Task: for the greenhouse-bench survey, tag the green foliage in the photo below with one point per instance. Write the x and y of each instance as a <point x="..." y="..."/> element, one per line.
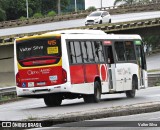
<point x="23" y="18"/>
<point x="37" y="15"/>
<point x="153" y="40"/>
<point x="51" y="14"/>
<point x="14" y="9"/>
<point x="2" y="15"/>
<point x="91" y="8"/>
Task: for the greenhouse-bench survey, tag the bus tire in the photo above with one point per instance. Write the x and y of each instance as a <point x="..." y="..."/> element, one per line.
<point x="132" y="93"/>
<point x="96" y="97"/>
<point x="52" y="100"/>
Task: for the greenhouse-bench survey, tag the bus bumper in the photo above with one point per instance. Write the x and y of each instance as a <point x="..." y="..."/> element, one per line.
<point x="26" y="92"/>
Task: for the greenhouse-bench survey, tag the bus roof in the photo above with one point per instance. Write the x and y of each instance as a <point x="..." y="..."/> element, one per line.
<point x="99" y="34"/>
<point x="79" y="31"/>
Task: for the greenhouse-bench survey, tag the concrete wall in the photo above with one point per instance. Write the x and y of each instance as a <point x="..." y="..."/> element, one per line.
<point x="141" y="31"/>
<point x="6" y="58"/>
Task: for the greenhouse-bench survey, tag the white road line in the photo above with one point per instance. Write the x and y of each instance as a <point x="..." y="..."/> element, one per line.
<point x="155" y="118"/>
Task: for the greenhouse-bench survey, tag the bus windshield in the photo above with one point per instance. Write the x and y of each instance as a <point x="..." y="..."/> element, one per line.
<point x="37" y="52"/>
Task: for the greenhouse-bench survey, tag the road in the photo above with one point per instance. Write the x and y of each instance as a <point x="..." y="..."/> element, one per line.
<point x="153" y="62"/>
<point x="151" y="121"/>
<point x="76" y="23"/>
<point x="35" y="108"/>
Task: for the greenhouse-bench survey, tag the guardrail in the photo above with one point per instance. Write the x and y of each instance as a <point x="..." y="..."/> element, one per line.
<point x="81" y="14"/>
<point x="154" y="79"/>
<point x="11" y="91"/>
<point x="7" y="92"/>
<point x="154" y="75"/>
<point x="5" y="40"/>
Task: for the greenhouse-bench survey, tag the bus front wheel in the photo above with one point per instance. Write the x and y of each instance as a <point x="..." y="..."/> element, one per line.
<point x="132" y="93"/>
<point x="52" y="100"/>
<point x="94" y="98"/>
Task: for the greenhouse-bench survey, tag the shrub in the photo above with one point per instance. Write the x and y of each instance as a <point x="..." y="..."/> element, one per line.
<point x="22" y="18"/>
<point x="37" y="15"/>
<point x="91" y="8"/>
<point x="51" y="13"/>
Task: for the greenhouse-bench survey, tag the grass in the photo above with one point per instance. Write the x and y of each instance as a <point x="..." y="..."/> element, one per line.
<point x="31" y="118"/>
<point x="9" y="98"/>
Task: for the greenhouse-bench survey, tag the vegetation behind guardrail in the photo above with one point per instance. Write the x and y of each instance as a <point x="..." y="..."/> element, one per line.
<point x="81" y="14"/>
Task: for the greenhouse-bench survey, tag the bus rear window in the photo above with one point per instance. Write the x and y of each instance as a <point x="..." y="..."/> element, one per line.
<point x="37" y="52"/>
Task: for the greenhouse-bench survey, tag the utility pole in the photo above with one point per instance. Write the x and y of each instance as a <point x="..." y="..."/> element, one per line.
<point x="75" y="1"/>
<point x="101" y="4"/>
<point x="27" y="8"/>
<point x="59" y="6"/>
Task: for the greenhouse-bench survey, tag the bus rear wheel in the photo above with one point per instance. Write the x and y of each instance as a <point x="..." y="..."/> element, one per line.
<point x="132" y="93"/>
<point x="52" y="100"/>
<point x="96" y="97"/>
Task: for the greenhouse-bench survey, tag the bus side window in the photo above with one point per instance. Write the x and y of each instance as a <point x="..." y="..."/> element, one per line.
<point x="84" y="52"/>
<point x="75" y="52"/>
<point x="87" y="52"/>
<point x="130" y="53"/>
<point x="120" y="51"/>
<point x="90" y="52"/>
<point x="78" y="51"/>
<point x="98" y="51"/>
<point x="101" y="52"/>
<point x="71" y="52"/>
<point x="95" y="51"/>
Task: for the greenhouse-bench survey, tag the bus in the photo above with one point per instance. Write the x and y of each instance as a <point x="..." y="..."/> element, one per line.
<point x="71" y="64"/>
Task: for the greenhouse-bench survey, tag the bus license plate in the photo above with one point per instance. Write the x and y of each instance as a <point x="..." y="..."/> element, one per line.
<point x="41" y="83"/>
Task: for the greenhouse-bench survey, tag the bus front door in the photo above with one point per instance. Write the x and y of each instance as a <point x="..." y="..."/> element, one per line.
<point x="142" y="66"/>
<point x="111" y="67"/>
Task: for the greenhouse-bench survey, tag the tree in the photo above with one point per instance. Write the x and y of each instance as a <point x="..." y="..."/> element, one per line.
<point x="15" y="9"/>
<point x="2" y="15"/>
<point x="59" y="6"/>
<point x="3" y="6"/>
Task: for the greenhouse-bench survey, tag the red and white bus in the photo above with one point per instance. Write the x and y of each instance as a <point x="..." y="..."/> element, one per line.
<point x="79" y="64"/>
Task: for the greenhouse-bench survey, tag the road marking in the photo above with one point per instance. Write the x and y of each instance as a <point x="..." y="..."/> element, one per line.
<point x="155" y="118"/>
<point x="157" y="95"/>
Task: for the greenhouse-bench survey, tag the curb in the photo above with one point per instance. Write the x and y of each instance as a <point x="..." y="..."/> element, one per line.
<point x="101" y="113"/>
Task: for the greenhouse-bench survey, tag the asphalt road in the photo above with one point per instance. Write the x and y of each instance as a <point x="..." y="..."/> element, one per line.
<point x="153" y="62"/>
<point x="76" y="23"/>
<point x="35" y="108"/>
<point x="146" y="121"/>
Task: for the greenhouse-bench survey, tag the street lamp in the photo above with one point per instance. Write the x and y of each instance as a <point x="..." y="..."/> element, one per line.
<point x="27" y="8"/>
